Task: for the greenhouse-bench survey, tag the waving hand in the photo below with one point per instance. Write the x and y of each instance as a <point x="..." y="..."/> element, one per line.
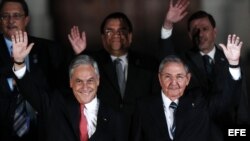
<point x="233" y="49"/>
<point x="20" y="46"/>
<point x="77" y="42"/>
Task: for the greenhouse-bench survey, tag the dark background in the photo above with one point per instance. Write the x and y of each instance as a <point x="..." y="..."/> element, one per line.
<point x="53" y="19"/>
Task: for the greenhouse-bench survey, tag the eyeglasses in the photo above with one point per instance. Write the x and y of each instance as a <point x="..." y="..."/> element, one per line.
<point x="110" y="32"/>
<point x="170" y="78"/>
<point x="14" y="16"/>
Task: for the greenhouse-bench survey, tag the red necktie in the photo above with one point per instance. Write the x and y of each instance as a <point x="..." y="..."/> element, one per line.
<point x="83" y="126"/>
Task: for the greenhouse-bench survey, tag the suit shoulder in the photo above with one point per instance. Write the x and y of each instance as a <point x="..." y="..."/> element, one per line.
<point x="142" y="60"/>
<point x="107" y="113"/>
<point x="38" y="40"/>
<point x="148" y="101"/>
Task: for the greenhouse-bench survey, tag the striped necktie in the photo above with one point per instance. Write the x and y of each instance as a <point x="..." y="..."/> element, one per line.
<point x="21" y="118"/>
<point x="173" y="106"/>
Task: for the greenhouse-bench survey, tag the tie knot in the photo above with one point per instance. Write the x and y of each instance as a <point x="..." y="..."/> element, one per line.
<point x="173" y="105"/>
<point x="82" y="108"/>
<point x="119" y="64"/>
<point x="118" y="60"/>
<point x="207" y="58"/>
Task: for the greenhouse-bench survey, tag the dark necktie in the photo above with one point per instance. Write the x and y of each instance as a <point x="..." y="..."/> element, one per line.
<point x="83" y="125"/>
<point x="173" y="106"/>
<point x="208" y="64"/>
<point x="21" y="118"/>
<point x="120" y="75"/>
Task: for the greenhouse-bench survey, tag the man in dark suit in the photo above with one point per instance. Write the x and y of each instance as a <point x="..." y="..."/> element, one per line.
<point x="45" y="57"/>
<point x="202" y="31"/>
<point x="194" y="113"/>
<point x="64" y="113"/>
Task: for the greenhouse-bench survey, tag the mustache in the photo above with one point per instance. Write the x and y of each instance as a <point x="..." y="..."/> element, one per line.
<point x="11" y="26"/>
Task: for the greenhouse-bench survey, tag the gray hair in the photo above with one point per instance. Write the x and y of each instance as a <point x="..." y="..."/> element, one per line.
<point x="83" y="60"/>
<point x="172" y="59"/>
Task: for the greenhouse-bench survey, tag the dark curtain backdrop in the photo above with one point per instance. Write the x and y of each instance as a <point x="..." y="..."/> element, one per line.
<point x="146" y="15"/>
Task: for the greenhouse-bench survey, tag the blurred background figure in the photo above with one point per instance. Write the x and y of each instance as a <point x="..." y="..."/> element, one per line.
<point x="45" y="58"/>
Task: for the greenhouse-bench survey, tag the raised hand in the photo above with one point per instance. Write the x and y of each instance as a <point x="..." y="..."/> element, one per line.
<point x="20" y="46"/>
<point x="233" y="49"/>
<point x="77" y="42"/>
<point x="175" y="13"/>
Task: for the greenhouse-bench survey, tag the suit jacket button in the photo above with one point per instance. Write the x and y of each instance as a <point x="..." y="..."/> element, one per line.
<point x="121" y="105"/>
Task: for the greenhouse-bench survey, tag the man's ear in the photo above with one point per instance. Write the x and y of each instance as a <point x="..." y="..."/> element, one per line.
<point x="215" y="32"/>
<point x="70" y="84"/>
<point x="103" y="40"/>
<point x="188" y="78"/>
<point x="27" y="20"/>
<point x="130" y="37"/>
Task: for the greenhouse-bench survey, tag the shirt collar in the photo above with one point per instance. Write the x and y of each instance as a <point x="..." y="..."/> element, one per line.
<point x="210" y="54"/>
<point x="92" y="105"/>
<point x="123" y="57"/>
<point x="167" y="101"/>
<point x="8" y="43"/>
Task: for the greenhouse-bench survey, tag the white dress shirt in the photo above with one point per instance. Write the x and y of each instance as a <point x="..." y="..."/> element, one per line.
<point x="168" y="112"/>
<point x="91" y="111"/>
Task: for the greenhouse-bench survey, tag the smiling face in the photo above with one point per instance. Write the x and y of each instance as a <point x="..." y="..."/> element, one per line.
<point x="84" y="82"/>
<point x="116" y="38"/>
<point x="13" y="18"/>
<point x="173" y="79"/>
<point x="207" y="33"/>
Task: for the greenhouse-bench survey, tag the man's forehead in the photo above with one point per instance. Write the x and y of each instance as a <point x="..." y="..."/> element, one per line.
<point x="116" y="21"/>
<point x="177" y="67"/>
<point x="200" y="22"/>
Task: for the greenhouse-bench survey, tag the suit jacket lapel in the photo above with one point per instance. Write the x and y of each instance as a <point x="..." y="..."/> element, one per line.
<point x="108" y="69"/>
<point x="72" y="113"/>
<point x="159" y="115"/>
<point x="102" y="120"/>
<point x="196" y="58"/>
<point x="132" y="72"/>
<point x="130" y="84"/>
<point x="185" y="103"/>
<point x="5" y="56"/>
<point x="219" y="57"/>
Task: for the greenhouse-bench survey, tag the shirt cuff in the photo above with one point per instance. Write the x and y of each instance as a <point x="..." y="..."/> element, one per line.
<point x="19" y="73"/>
<point x="235" y="73"/>
<point x="165" y="33"/>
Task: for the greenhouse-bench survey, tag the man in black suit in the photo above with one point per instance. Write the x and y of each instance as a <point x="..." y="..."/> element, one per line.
<point x="194" y="117"/>
<point x="45" y="57"/>
<point x="202" y="31"/>
<point x="64" y="113"/>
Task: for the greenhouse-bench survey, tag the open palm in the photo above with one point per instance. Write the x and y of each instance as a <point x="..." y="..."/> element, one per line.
<point x="233" y="49"/>
<point x="20" y="46"/>
<point x="178" y="11"/>
<point x="77" y="42"/>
